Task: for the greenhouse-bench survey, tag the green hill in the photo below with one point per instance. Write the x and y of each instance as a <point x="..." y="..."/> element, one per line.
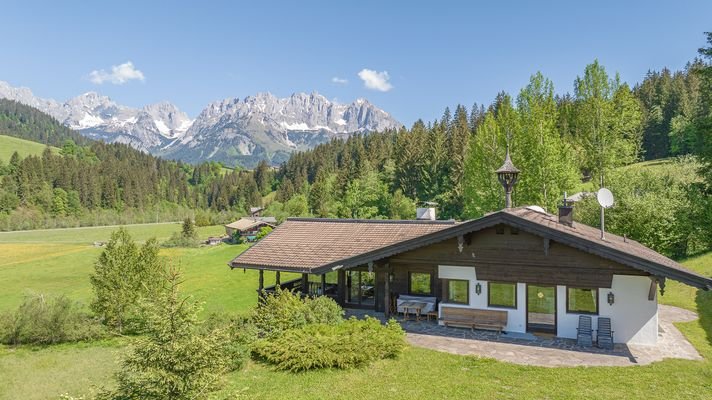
<point x="9" y="145"/>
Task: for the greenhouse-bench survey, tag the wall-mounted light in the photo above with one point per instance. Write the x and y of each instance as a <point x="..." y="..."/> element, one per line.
<point x="611" y="298"/>
<point x="478" y="288"/>
<point x="390" y="277"/>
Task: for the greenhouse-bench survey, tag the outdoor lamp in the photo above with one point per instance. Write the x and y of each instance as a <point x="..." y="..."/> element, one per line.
<point x="611" y="298"/>
<point x="478" y="288"/>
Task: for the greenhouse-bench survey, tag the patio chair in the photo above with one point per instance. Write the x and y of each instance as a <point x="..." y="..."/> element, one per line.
<point x="605" y="334"/>
<point x="585" y="331"/>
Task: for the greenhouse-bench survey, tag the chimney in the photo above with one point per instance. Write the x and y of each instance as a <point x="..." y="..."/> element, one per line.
<point x="566" y="212"/>
<point x="426" y="213"/>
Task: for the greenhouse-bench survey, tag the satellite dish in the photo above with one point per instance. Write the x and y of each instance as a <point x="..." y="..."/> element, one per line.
<point x="605" y="198"/>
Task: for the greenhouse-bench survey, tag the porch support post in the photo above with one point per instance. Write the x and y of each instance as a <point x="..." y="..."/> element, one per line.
<point x="305" y="283"/>
<point x="387" y="297"/>
<point x="323" y="284"/>
<point x="277" y="280"/>
<point x="262" y="280"/>
<point x="341" y="287"/>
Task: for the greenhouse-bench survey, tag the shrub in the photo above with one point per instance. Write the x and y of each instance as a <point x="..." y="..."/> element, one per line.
<point x="350" y="344"/>
<point x="48" y="320"/>
<point x="241" y="333"/>
<point x="178" y="240"/>
<point x="283" y="310"/>
<point x="264" y="231"/>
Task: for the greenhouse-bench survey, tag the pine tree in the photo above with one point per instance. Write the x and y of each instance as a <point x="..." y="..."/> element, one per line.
<point x="173" y="361"/>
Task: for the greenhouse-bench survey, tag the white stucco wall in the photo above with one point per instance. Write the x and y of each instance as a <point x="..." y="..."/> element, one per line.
<point x="516" y="318"/>
<point x="634" y="318"/>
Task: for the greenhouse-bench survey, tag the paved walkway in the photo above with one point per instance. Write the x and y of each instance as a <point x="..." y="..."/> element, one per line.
<point x="551" y="352"/>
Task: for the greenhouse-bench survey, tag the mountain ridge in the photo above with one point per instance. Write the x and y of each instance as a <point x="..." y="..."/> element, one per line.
<point x="235" y="131"/>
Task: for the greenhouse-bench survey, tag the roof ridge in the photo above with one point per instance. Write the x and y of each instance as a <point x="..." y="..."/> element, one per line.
<point x="375" y="221"/>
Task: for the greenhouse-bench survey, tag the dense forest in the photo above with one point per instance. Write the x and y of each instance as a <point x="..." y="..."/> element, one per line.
<point x="562" y="143"/>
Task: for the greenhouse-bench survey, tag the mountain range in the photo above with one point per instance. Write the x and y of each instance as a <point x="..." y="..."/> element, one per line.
<point x="233" y="131"/>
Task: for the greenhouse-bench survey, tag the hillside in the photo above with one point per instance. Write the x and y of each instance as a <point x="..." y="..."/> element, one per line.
<point x="25" y="122"/>
<point x="24" y="148"/>
<point x="95" y="183"/>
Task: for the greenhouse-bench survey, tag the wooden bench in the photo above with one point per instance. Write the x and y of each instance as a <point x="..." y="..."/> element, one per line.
<point x="494" y="320"/>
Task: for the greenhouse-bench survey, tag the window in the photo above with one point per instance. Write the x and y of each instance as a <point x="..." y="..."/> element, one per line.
<point x="420" y="283"/>
<point x="581" y="301"/>
<point x="514" y="231"/>
<point x="502" y="294"/>
<point x="456" y="291"/>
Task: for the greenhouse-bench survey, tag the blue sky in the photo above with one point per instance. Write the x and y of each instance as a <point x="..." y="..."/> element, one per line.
<point x="436" y="54"/>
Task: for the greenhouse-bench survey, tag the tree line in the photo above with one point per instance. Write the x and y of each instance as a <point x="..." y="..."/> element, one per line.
<point x="559" y="141"/>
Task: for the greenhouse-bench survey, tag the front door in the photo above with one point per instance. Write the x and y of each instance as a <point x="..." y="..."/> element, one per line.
<point x="541" y="308"/>
<point x="361" y="288"/>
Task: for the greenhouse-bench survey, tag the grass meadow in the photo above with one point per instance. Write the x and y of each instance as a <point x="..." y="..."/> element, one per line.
<point x="24" y="148"/>
<point x="60" y="261"/>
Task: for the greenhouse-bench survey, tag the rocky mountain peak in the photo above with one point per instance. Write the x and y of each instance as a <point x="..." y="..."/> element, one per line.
<point x="233" y="130"/>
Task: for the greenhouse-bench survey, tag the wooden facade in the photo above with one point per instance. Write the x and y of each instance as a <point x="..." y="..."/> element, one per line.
<point x="501" y="254"/>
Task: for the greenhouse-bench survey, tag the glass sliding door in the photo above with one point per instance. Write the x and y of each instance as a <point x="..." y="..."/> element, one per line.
<point x="361" y="288"/>
<point x="541" y="309"/>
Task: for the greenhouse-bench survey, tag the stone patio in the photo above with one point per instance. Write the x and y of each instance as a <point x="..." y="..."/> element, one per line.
<point x="529" y="349"/>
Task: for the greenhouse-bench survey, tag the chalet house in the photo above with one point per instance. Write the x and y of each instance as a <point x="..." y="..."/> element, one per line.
<point x="537" y="270"/>
<point x="249" y="227"/>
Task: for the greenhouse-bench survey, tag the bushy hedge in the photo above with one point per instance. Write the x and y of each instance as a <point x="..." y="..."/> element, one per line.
<point x="48" y="320"/>
<point x="349" y="344"/>
<point x="283" y="310"/>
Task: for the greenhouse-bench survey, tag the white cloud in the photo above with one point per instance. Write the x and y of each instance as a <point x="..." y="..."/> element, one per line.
<point x="375" y="80"/>
<point x="119" y="74"/>
<point x="339" y="81"/>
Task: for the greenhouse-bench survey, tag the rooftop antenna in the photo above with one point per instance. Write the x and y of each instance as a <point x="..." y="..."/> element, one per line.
<point x="605" y="200"/>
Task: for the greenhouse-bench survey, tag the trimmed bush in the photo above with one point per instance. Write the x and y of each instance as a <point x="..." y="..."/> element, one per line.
<point x="284" y="310"/>
<point x="46" y="320"/>
<point x="351" y="344"/>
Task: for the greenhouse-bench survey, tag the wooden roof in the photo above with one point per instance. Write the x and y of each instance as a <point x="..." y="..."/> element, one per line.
<point x="245" y="223"/>
<point x="307" y="244"/>
<point x="320" y="245"/>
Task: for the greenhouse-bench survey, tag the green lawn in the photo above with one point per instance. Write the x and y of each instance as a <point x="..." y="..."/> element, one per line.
<point x="9" y="145"/>
<point x="59" y="261"/>
<point x="63" y="266"/>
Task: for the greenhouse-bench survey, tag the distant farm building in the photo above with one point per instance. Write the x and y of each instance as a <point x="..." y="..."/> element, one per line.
<point x="249" y="227"/>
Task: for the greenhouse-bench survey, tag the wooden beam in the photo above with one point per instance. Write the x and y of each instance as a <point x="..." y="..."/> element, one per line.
<point x="277" y="279"/>
<point x="547" y="244"/>
<point x="653" y="288"/>
<point x="305" y="283"/>
<point x="387" y="296"/>
<point x="262" y="280"/>
<point x="323" y="284"/>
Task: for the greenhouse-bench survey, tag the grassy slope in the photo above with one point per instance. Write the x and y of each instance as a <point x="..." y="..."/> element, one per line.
<point x="64" y="267"/>
<point x="9" y="145"/>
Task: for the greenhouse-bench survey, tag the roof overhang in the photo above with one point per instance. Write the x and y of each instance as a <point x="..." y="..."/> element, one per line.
<point x="501" y="217"/>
